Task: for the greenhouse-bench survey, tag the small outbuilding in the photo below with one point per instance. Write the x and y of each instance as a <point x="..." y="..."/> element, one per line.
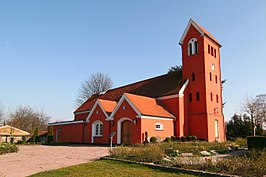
<point x="9" y="134"/>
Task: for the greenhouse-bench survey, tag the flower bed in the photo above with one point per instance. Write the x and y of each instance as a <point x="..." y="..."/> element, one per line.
<point x="172" y="154"/>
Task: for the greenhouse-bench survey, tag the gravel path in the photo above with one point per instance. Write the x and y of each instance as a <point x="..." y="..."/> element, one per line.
<point x="32" y="159"/>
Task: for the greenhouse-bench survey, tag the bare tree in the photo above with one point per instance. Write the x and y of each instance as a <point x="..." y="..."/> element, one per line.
<point x="95" y="84"/>
<point x="26" y="118"/>
<point x="261" y="108"/>
<point x="256" y="109"/>
<point x="2" y="110"/>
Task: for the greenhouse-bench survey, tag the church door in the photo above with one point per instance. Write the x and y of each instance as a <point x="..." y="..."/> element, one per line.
<point x="126" y="127"/>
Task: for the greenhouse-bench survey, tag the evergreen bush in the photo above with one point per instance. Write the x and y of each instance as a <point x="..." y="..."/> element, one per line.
<point x="153" y="139"/>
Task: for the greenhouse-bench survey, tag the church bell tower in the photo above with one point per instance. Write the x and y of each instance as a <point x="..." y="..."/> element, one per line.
<point x="203" y="96"/>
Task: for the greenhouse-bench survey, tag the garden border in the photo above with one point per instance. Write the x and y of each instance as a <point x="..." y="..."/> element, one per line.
<point x="173" y="169"/>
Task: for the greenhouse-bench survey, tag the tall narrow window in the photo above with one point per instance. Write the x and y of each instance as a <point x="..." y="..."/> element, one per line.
<point x="209" y="49"/>
<point x="196" y="46"/>
<point x="98" y="128"/>
<point x="216" y="129"/>
<point x="211" y="97"/>
<point x="190" y="97"/>
<point x="217" y="98"/>
<point x="216" y="79"/>
<point x="210" y="76"/>
<point x="192" y="46"/>
<point x="197" y="96"/>
<point x="214" y="53"/>
<point x="193" y="77"/>
<point x="212" y="66"/>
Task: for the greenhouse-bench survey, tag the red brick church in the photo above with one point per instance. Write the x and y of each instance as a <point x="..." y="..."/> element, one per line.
<point x="183" y="103"/>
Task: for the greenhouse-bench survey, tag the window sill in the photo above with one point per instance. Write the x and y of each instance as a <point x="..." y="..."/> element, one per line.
<point x="97" y="136"/>
<point x="158" y="129"/>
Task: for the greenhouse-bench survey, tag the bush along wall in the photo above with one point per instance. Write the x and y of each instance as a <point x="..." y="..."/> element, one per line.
<point x="256" y="142"/>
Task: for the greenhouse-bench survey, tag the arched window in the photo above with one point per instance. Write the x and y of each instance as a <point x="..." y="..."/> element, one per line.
<point x="98" y="128"/>
<point x="192" y="46"/>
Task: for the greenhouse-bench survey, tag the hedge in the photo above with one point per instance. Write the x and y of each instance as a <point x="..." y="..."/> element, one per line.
<point x="256" y="142"/>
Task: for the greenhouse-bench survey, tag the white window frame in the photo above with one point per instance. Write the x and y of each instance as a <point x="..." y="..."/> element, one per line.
<point x="97" y="129"/>
<point x="160" y="126"/>
<point x="194" y="49"/>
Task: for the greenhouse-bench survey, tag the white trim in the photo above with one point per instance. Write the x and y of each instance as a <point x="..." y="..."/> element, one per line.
<point x="93" y="109"/>
<point x="82" y="112"/>
<point x="65" y="123"/>
<point x="153" y="117"/>
<point x="124" y="97"/>
<point x="168" y="97"/>
<point x="93" y="129"/>
<point x="119" y="123"/>
<point x="181" y="91"/>
<point x="191" y="22"/>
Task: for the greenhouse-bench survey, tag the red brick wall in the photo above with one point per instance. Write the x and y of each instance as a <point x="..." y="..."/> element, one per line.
<point x="73" y="133"/>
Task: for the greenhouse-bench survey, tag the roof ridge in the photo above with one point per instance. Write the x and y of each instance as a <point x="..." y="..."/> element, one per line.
<point x="145" y="80"/>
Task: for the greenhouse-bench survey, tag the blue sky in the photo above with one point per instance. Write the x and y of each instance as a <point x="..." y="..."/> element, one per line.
<point x="47" y="48"/>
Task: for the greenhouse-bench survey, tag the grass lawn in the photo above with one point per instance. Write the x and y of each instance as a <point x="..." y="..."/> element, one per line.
<point x="109" y="168"/>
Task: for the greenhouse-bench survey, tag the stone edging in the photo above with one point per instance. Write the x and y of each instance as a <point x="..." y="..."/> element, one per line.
<point x="174" y="169"/>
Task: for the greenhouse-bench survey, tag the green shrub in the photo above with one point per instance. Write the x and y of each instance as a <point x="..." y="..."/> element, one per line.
<point x="194" y="138"/>
<point x="21" y="142"/>
<point x="173" y="138"/>
<point x="153" y="139"/>
<point x="242" y="142"/>
<point x="7" y="148"/>
<point x="183" y="139"/>
<point x="256" y="142"/>
<point x="50" y="134"/>
<point x="189" y="138"/>
<point x="167" y="139"/>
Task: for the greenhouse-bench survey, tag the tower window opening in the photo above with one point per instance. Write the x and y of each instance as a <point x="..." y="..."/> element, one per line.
<point x="196" y="46"/>
<point x="197" y="96"/>
<point x="210" y="76"/>
<point x="217" y="98"/>
<point x="193" y="77"/>
<point x="190" y="97"/>
<point x="192" y="46"/>
<point x="214" y="53"/>
<point x="216" y="79"/>
<point x="212" y="66"/>
<point x="209" y="49"/>
<point x="211" y="97"/>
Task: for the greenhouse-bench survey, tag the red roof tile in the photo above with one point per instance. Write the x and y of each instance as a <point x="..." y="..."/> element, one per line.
<point x="107" y="105"/>
<point x="207" y="33"/>
<point x="163" y="85"/>
<point x="149" y="106"/>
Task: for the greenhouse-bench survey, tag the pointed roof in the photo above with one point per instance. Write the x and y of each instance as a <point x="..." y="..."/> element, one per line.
<point x="9" y="130"/>
<point x="149" y="106"/>
<point x="107" y="105"/>
<point x="155" y="87"/>
<point x="200" y="29"/>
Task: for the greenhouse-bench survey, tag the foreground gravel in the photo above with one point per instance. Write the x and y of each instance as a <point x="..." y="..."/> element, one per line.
<point x="31" y="159"/>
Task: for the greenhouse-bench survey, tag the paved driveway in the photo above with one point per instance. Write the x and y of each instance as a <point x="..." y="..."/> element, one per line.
<point x="32" y="159"/>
